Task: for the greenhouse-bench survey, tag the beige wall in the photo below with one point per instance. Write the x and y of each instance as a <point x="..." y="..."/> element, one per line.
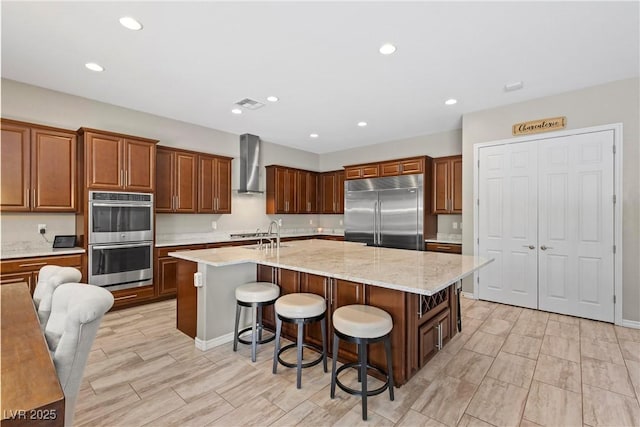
<point x="47" y="107"/>
<point x="616" y="102"/>
<point x="434" y="145"/>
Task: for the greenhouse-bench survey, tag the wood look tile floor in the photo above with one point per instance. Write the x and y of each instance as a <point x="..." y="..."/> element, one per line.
<point x="509" y="367"/>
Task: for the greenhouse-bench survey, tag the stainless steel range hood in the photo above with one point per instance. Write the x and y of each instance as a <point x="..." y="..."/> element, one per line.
<point x="249" y="164"/>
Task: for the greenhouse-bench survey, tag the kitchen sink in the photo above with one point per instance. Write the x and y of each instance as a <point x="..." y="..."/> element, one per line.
<point x="264" y="246"/>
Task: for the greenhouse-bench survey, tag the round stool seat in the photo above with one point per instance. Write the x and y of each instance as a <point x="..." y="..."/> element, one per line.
<point x="362" y="321"/>
<point x="300" y="305"/>
<point x="257" y="292"/>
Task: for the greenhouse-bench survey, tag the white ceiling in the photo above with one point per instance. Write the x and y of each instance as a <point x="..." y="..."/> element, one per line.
<point x="193" y="61"/>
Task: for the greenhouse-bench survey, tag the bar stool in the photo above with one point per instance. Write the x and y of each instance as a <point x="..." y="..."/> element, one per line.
<point x="255" y="295"/>
<point x="362" y="325"/>
<point x="300" y="308"/>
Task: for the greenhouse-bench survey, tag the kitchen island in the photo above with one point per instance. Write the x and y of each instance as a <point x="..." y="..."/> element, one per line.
<point x="417" y="288"/>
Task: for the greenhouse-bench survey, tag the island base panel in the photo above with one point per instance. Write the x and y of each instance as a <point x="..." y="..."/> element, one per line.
<point x="217" y="302"/>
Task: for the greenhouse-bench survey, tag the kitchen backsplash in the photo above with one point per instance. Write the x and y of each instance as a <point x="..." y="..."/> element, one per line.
<point x="23" y="228"/>
<point x="450" y="224"/>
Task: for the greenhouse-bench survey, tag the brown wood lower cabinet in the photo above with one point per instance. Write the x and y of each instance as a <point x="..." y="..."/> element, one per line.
<point x="166" y="272"/>
<point x="414" y="338"/>
<point x="433" y="335"/>
<point x="27" y="269"/>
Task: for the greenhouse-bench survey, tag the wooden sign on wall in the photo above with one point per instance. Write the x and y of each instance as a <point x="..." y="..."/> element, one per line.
<point x="536" y="126"/>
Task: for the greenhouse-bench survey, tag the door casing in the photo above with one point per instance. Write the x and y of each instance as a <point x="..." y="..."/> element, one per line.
<point x="617" y="182"/>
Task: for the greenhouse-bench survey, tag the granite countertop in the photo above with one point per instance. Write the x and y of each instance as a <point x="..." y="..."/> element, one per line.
<point x="163" y="240"/>
<point x="36" y="251"/>
<point x="455" y="239"/>
<point x="411" y="271"/>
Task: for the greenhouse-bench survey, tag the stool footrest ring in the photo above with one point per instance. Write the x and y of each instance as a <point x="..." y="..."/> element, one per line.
<point x="350" y="390"/>
<point x="262" y="341"/>
<point x="295" y="365"/>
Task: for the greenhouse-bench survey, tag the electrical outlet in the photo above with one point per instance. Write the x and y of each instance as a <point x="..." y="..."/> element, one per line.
<point x="198" y="280"/>
<point x="42" y="228"/>
<point x="455" y="225"/>
<point x="340" y="222"/>
<point x="310" y="222"/>
<point x="214" y="225"/>
<point x="280" y="222"/>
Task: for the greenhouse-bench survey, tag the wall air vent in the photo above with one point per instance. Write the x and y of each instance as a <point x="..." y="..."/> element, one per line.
<point x="250" y="104"/>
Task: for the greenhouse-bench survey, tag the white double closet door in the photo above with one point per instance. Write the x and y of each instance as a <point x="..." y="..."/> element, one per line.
<point x="546" y="217"/>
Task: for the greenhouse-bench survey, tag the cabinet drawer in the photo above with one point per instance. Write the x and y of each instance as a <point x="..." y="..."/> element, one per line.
<point x="451" y="248"/>
<point x="35" y="264"/>
<point x="130" y="296"/>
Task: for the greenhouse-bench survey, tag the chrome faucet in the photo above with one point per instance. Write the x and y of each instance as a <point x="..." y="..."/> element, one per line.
<point x="270" y="232"/>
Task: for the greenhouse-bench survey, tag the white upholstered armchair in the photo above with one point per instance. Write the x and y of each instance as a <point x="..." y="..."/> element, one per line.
<point x="49" y="278"/>
<point x="76" y="312"/>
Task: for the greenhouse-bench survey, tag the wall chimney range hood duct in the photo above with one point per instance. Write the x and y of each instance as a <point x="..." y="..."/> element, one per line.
<point x="249" y="164"/>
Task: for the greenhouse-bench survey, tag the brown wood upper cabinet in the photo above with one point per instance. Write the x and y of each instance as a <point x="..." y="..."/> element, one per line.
<point x="118" y="162"/>
<point x="281" y="190"/>
<point x="397" y="167"/>
<point x="402" y="167"/>
<point x="192" y="182"/>
<point x="214" y="184"/>
<point x="176" y="181"/>
<point x="307" y="192"/>
<point x="38" y="168"/>
<point x="447" y="185"/>
<point x="332" y="192"/>
<point x="362" y="171"/>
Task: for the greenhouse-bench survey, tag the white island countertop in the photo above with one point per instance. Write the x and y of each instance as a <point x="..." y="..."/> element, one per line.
<point x="411" y="271"/>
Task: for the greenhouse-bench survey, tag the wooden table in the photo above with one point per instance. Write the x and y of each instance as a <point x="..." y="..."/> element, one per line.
<point x="31" y="393"/>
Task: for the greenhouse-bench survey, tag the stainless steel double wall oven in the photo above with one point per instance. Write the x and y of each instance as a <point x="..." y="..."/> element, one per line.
<point x="120" y="239"/>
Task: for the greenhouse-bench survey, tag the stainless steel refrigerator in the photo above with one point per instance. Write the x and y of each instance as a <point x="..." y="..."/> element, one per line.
<point x="385" y="211"/>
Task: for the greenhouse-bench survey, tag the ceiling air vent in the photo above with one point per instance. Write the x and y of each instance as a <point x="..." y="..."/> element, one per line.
<point x="250" y="104"/>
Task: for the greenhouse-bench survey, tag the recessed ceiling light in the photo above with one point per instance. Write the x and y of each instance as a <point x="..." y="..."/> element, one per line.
<point x="362" y="124"/>
<point x="451" y="101"/>
<point x="387" y="49"/>
<point x="94" y="67"/>
<point x="313" y="135"/>
<point x="272" y="98"/>
<point x="236" y="111"/>
<point x="130" y="23"/>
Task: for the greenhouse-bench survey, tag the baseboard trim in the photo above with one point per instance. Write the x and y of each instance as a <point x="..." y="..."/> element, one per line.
<point x="214" y="342"/>
<point x="631" y="324"/>
<point x="468" y="295"/>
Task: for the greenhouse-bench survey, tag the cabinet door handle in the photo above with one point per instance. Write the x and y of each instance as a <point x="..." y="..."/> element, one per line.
<point x="27" y="196"/>
<point x="126" y="297"/>
<point x="358" y="293"/>
<point x="33" y="205"/>
<point x="446" y="248"/>
<point x="439" y="329"/>
<point x="324" y="286"/>
<point x="544" y="247"/>
<point x="125" y="177"/>
<point x="308" y="206"/>
<point x="33" y="264"/>
<point x="529" y="246"/>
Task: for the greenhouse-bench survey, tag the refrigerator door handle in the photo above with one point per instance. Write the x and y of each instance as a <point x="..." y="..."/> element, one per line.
<point x="380" y="224"/>
<point x="375" y="223"/>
